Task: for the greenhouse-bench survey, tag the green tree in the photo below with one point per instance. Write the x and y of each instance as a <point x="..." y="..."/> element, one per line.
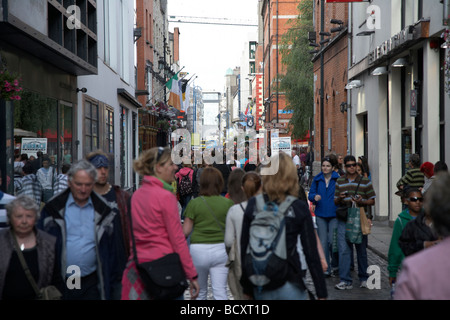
<point x="298" y="82"/>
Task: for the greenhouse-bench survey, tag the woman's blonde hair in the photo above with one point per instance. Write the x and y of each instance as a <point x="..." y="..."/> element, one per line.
<point x="147" y="161"/>
<point x="282" y="183"/>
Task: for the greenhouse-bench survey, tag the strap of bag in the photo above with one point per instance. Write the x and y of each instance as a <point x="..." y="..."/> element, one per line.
<point x="25" y="266"/>
<point x="212" y="212"/>
<point x="133" y="241"/>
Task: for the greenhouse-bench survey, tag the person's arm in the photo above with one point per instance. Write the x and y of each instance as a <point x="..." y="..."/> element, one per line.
<point x="188" y="225"/>
<point x="323" y="260"/>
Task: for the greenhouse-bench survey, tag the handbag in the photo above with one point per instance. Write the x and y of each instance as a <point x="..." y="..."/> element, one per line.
<point x="46" y="293"/>
<point x="365" y="225"/>
<point x="353" y="231"/>
<point x="163" y="278"/>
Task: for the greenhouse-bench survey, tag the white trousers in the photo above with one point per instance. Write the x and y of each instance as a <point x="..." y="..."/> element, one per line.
<point x="210" y="259"/>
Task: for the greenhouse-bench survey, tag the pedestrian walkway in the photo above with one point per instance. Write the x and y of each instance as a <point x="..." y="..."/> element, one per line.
<point x="380" y="238"/>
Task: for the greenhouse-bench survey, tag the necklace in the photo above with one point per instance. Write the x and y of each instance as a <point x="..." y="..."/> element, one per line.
<point x="107" y="191"/>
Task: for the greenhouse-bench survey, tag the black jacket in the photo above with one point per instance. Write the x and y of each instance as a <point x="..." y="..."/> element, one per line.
<point x="299" y="224"/>
<point x="414" y="234"/>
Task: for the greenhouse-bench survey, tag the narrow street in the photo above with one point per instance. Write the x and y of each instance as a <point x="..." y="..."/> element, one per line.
<point x="356" y="293"/>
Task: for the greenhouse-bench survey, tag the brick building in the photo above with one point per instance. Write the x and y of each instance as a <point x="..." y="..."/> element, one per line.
<point x="274" y="22"/>
<point x="331" y="62"/>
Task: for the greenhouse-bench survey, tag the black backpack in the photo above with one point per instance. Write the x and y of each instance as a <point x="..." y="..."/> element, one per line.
<point x="185" y="186"/>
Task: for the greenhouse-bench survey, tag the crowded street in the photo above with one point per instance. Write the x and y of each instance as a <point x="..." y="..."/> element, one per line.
<point x="224" y="158"/>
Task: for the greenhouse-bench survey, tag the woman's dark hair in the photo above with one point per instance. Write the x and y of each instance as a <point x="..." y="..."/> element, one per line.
<point x="235" y="185"/>
<point x="440" y="166"/>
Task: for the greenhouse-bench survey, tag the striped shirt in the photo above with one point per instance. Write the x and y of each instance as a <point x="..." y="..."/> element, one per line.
<point x="365" y="189"/>
<point x="30" y="186"/>
<point x="61" y="183"/>
<point x="413" y="178"/>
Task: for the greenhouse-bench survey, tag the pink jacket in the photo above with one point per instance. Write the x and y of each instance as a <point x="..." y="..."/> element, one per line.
<point x="157" y="226"/>
<point x="184" y="171"/>
<point x="424" y="275"/>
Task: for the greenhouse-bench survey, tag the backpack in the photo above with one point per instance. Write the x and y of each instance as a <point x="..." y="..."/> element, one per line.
<point x="265" y="262"/>
<point x="185" y="186"/>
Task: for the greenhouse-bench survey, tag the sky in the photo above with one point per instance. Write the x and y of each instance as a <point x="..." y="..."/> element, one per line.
<point x="207" y="51"/>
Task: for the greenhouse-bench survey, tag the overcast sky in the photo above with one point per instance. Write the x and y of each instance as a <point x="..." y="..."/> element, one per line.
<point x="207" y="50"/>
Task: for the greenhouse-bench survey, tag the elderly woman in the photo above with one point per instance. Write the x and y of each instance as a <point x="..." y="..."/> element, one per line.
<point x="276" y="188"/>
<point x="38" y="249"/>
<point x="156" y="224"/>
<point x="205" y="217"/>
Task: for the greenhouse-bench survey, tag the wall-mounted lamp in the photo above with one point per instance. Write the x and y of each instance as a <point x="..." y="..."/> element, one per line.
<point x="338" y="29"/>
<point x="365" y="33"/>
<point x="84" y="90"/>
<point x="379" y="71"/>
<point x="353" y="84"/>
<point x="336" y="21"/>
<point x="400" y="63"/>
<point x="324" y="41"/>
<point x="343" y="107"/>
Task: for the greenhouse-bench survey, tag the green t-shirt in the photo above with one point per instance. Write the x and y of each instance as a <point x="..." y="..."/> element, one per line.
<point x="206" y="228"/>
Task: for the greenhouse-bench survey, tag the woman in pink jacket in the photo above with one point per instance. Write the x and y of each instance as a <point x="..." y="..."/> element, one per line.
<point x="156" y="222"/>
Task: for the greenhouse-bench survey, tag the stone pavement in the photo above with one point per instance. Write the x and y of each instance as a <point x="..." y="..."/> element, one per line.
<point x="378" y="247"/>
<point x="380" y="238"/>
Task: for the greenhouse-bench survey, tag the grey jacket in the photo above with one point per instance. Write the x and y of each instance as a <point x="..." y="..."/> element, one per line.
<point x="45" y="244"/>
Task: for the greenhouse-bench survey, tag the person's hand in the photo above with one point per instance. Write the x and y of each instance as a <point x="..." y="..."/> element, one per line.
<point x="317" y="197"/>
<point x="324" y="263"/>
<point x="392" y="280"/>
<point x="194" y="289"/>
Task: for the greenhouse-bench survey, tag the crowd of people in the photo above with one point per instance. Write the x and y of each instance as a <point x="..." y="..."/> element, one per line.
<point x="206" y="215"/>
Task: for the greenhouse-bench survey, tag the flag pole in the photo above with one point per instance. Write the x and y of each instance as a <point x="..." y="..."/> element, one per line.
<point x="157" y="93"/>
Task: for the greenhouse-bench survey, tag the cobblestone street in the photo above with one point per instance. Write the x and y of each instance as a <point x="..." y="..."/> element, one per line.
<point x="356" y="293"/>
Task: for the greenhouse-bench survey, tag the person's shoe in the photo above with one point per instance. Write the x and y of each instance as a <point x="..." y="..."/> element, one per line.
<point x="343" y="286"/>
<point x="363" y="284"/>
<point x="334" y="273"/>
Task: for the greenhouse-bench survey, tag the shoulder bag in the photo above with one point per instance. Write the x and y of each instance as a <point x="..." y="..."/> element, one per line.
<point x="342" y="210"/>
<point x="46" y="293"/>
<point x="163" y="278"/>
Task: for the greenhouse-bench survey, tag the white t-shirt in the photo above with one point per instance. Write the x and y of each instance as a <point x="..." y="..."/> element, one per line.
<point x="296" y="160"/>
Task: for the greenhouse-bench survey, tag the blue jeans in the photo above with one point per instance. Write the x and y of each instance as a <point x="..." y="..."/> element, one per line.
<point x="288" y="291"/>
<point x="345" y="256"/>
<point x="325" y="230"/>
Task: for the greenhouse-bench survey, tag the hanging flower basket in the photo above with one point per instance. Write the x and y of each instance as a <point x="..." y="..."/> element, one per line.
<point x="10" y="88"/>
<point x="162" y="125"/>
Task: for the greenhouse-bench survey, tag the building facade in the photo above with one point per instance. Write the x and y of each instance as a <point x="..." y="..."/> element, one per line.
<point x="108" y="114"/>
<point x="43" y="43"/>
<point x="396" y="83"/>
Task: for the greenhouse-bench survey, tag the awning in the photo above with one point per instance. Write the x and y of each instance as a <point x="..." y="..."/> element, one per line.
<point x="125" y="94"/>
<point x="23" y="133"/>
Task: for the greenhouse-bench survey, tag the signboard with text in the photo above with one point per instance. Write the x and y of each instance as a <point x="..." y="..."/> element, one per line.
<point x="31" y="146"/>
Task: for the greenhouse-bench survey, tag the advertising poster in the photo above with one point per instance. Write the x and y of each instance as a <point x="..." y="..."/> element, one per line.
<point x="31" y="146"/>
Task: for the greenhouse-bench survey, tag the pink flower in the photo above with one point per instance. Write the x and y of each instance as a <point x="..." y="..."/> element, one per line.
<point x="16" y="82"/>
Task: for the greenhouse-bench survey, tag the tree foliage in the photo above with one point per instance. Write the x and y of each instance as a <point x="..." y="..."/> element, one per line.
<point x="298" y="82"/>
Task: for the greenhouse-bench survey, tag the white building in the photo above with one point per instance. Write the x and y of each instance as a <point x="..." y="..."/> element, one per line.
<point x="108" y="109"/>
<point x="396" y="91"/>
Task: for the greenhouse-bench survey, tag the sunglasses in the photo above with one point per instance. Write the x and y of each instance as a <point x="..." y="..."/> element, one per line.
<point x="415" y="199"/>
<point x="350" y="165"/>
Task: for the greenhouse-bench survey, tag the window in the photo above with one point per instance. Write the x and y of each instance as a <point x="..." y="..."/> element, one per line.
<point x="91" y="126"/>
<point x="252" y="50"/>
<point x="109" y="130"/>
